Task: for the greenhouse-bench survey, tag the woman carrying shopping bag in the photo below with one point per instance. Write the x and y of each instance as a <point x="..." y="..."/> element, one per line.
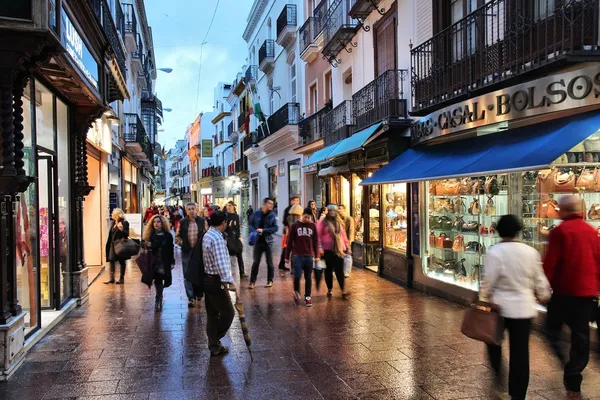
<point x="159" y="242"/>
<point x="513" y="280"/>
<point x="334" y="246"/>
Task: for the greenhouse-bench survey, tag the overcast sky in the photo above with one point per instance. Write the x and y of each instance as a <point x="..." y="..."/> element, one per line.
<point x="178" y="28"/>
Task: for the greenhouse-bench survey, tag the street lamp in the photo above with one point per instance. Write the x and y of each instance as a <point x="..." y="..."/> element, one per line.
<point x="167" y="109"/>
<point x="165" y="70"/>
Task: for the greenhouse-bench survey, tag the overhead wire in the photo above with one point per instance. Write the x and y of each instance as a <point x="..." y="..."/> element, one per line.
<point x="201" y="52"/>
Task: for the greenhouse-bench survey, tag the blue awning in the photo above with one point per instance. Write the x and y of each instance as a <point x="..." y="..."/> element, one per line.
<point x="320" y="155"/>
<point x="526" y="148"/>
<point x="354" y="142"/>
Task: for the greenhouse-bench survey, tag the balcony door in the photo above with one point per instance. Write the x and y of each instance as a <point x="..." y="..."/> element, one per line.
<point x="385" y="45"/>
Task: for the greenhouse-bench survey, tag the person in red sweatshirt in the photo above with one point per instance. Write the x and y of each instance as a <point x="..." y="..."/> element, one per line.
<point x="572" y="265"/>
<point x="303" y="244"/>
<point x="150" y="212"/>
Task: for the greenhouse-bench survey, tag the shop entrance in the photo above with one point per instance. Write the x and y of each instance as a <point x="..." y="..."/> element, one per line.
<point x="48" y="222"/>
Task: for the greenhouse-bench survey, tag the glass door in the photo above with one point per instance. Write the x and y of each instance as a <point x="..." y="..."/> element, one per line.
<point x="49" y="275"/>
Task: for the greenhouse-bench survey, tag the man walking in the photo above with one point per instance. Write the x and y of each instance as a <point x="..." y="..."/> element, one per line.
<point x="286" y="226"/>
<point x="234" y="241"/>
<point x="264" y="222"/>
<point x="217" y="284"/>
<point x="150" y="212"/>
<point x="572" y="265"/>
<point x="187" y="235"/>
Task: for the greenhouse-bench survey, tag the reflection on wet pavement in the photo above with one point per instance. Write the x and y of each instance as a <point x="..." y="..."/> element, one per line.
<point x="384" y="342"/>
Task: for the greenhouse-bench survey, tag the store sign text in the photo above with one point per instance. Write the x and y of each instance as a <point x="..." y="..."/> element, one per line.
<point x="560" y="92"/>
<point x="77" y="50"/>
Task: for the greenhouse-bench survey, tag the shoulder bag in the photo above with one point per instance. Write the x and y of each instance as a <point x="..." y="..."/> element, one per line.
<point x="564" y="183"/>
<point x="545" y="181"/>
<point x="125" y="248"/>
<point x="433" y="188"/>
<point x="587" y="180"/>
<point x="465" y="186"/>
<point x="476" y="186"/>
<point x="490" y="208"/>
<point x="470" y="226"/>
<point x="475" y="208"/>
<point x="458" y="223"/>
<point x="491" y="185"/>
<point x="448" y="187"/>
<point x="459" y="206"/>
<point x="548" y="209"/>
<point x="459" y="244"/>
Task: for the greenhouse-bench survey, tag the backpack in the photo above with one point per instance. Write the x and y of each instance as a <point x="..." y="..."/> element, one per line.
<point x="195" y="270"/>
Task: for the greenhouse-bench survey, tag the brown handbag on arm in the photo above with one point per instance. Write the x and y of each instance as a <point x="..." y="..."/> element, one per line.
<point x="483" y="322"/>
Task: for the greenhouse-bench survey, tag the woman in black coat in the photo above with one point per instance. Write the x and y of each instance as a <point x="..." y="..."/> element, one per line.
<point x="234" y="241"/>
<point x="159" y="241"/>
<point x="119" y="230"/>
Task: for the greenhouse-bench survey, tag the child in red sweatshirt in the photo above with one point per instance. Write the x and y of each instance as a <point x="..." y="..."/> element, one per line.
<point x="303" y="244"/>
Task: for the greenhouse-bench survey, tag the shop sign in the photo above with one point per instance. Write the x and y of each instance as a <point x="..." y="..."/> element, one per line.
<point x="357" y="160"/>
<point x="281" y="167"/>
<point x="569" y="90"/>
<point x="78" y="51"/>
<point x="310" y="169"/>
<point x="376" y="155"/>
<point x="205" y="191"/>
<point x="207" y="150"/>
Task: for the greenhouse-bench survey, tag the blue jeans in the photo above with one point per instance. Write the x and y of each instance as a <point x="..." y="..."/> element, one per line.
<point x="303" y="264"/>
<point x="259" y="249"/>
<point x="192" y="291"/>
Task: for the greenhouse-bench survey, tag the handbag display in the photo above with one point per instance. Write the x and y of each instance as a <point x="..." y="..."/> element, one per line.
<point x="470" y="226"/>
<point x="477" y="186"/>
<point x="459" y="244"/>
<point x="458" y="224"/>
<point x="439" y="241"/>
<point x="443" y="205"/>
<point x="459" y="206"/>
<point x="491" y="185"/>
<point x="445" y="223"/>
<point x="545" y="181"/>
<point x="448" y="187"/>
<point x="433" y="188"/>
<point x="564" y="183"/>
<point x="594" y="213"/>
<point x="126" y="248"/>
<point x="465" y="186"/>
<point x="587" y="180"/>
<point x="547" y="208"/>
<point x="475" y="247"/>
<point x="483" y="322"/>
<point x="475" y="208"/>
<point x="490" y="208"/>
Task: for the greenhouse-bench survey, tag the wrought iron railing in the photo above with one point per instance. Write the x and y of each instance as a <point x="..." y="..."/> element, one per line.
<point x="267" y="50"/>
<point x="130" y="20"/>
<point x="120" y="19"/>
<point x="339" y="123"/>
<point x="311" y="128"/>
<point x="249" y="140"/>
<point x="382" y="98"/>
<point x="212" y="172"/>
<point x="241" y="121"/>
<point x="319" y="13"/>
<point x="105" y="19"/>
<point x="337" y="19"/>
<point x="306" y="34"/>
<point x="230" y="129"/>
<point x="289" y="114"/>
<point x="500" y="41"/>
<point x="287" y="18"/>
<point x="251" y="73"/>
<point x="139" y="51"/>
<point x="231" y="169"/>
<point x="135" y="132"/>
<point x="241" y="164"/>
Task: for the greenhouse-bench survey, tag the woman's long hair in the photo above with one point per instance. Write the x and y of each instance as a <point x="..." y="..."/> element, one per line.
<point x="149" y="229"/>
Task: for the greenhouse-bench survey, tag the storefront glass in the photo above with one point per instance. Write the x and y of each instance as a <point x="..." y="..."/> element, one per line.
<point x="373" y="213"/>
<point x="44" y="116"/>
<point x="272" y="175"/>
<point x="396" y="222"/>
<point x="357" y="211"/>
<point x="64" y="204"/>
<point x="294" y="178"/>
<point x="130" y="197"/>
<point x="462" y="213"/>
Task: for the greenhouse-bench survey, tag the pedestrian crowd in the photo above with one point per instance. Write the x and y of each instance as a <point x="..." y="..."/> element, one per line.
<point x="515" y="282"/>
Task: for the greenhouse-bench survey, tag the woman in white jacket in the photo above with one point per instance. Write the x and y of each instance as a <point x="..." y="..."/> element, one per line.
<point x="515" y="281"/>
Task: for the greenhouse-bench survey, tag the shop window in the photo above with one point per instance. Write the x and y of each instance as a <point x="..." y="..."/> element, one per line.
<point x="44" y="114"/>
<point x="272" y="175"/>
<point x="64" y="206"/>
<point x="294" y="178"/>
<point x="462" y="213"/>
<point x="356" y="211"/>
<point x="373" y="213"/>
<point x="396" y="222"/>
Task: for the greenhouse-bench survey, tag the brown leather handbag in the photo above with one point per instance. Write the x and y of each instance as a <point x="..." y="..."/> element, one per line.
<point x="432" y="239"/>
<point x="439" y="241"/>
<point x="564" y="183"/>
<point x="433" y="188"/>
<point x="448" y="187"/>
<point x="547" y="208"/>
<point x="465" y="186"/>
<point x="483" y="322"/>
<point x="491" y="185"/>
<point x="448" y="243"/>
<point x="545" y="181"/>
<point x="459" y="243"/>
<point x="459" y="206"/>
<point x="476" y="186"/>
<point x="587" y="180"/>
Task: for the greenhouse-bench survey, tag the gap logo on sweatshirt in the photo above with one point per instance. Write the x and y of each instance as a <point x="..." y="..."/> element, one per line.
<point x="304" y="231"/>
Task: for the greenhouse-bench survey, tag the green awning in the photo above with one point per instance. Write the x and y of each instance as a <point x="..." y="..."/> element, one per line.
<point x="320" y="155"/>
<point x="354" y="142"/>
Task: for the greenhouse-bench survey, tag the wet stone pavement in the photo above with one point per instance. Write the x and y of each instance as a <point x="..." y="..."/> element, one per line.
<point x="384" y="342"/>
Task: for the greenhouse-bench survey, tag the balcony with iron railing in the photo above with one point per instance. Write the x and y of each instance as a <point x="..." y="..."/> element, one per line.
<point x="338" y="124"/>
<point x="339" y="30"/>
<point x="231" y="169"/>
<point x="266" y="55"/>
<point x="119" y="19"/>
<point x="212" y="172"/>
<point x="130" y="27"/>
<point x="310" y="129"/>
<point x="241" y="121"/>
<point x="319" y="13"/>
<point x="249" y="141"/>
<point x="286" y="25"/>
<point x="499" y="44"/>
<point x="381" y="99"/>
<point x="361" y="9"/>
<point x="306" y="34"/>
<point x="137" y="56"/>
<point x="289" y="114"/>
<point x="232" y="133"/>
<point x="251" y="74"/>
<point x="136" y="138"/>
<point x="106" y="21"/>
<point x="241" y="164"/>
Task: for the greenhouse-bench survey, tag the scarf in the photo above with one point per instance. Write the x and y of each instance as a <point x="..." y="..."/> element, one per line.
<point x="334" y="231"/>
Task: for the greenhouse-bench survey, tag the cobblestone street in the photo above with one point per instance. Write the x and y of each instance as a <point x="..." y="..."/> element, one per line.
<point x="384" y="342"/>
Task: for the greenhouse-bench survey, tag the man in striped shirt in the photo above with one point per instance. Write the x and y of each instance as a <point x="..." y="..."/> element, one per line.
<point x="218" y="281"/>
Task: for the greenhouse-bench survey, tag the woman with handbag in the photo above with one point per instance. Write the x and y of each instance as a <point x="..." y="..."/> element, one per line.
<point x="513" y="280"/>
<point x="234" y="241"/>
<point x="333" y="246"/>
<point x="159" y="242"/>
<point x="119" y="231"/>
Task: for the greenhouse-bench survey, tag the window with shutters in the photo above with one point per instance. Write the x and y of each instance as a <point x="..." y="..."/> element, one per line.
<point x="385" y="43"/>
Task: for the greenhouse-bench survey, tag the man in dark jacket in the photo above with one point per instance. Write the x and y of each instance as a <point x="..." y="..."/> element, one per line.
<point x="234" y="234"/>
<point x="264" y="222"/>
<point x="286" y="214"/>
<point x="572" y="265"/>
<point x="190" y="229"/>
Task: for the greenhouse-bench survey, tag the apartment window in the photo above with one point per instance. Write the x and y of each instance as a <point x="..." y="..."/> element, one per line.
<point x="543" y="9"/>
<point x="384" y="44"/>
<point x="328" y="86"/>
<point x="294" y="96"/>
<point x="313" y="98"/>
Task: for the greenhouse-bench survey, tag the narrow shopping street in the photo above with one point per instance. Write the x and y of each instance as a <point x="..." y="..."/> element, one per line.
<point x="385" y="342"/>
